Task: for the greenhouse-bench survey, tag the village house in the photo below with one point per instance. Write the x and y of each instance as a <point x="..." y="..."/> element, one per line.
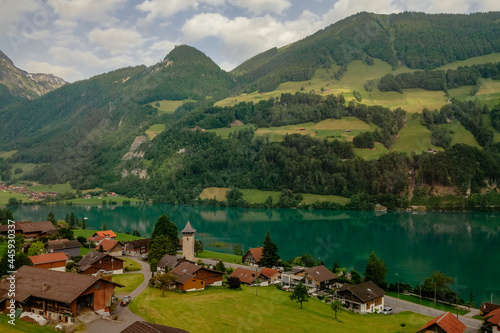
<point x="168" y="262"/>
<point x="445" y="323"/>
<point x="210" y="276"/>
<point x="31" y="230"/>
<point x="365" y="297"/>
<point x="59" y="296"/>
<point x="189" y="282"/>
<point x="94" y="262"/>
<point x="318" y="278"/>
<point x="145" y="327"/>
<point x="291" y="278"/>
<point x="253" y="256"/>
<point x="70" y="247"/>
<point x="112" y="247"/>
<point x="487" y="308"/>
<point x="137" y="247"/>
<point x="52" y="261"/>
<point x="247" y="276"/>
<point x="271" y="275"/>
<point x="493" y="320"/>
<point x="109" y="234"/>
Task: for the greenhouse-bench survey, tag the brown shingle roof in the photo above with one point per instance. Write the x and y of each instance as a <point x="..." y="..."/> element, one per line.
<point x="91" y="258"/>
<point x="268" y="272"/>
<point x="48" y="257"/>
<point x="170" y="261"/>
<point x="31" y="227"/>
<point x="447" y="322"/>
<point x="191" y="268"/>
<point x="144" y="327"/>
<point x="256" y="253"/>
<point x="107" y="244"/>
<point x="365" y="291"/>
<point x="320" y="273"/>
<point x="183" y="277"/>
<point x="48" y="284"/>
<point x="138" y="242"/>
<point x="63" y="244"/>
<point x="488" y="307"/>
<point x="245" y="275"/>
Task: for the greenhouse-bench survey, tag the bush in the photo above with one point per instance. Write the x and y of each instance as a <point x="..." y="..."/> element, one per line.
<point x="233" y="282"/>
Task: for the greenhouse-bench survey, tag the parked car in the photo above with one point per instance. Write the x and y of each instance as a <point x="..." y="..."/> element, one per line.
<point x="125" y="300"/>
<point x="387" y="310"/>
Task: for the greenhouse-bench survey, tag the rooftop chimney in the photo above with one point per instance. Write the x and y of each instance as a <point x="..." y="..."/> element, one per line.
<point x="45" y="286"/>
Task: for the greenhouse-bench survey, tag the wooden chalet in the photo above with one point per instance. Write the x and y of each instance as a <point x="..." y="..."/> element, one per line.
<point x="145" y="327"/>
<point x="487" y="308"/>
<point x="52" y="261"/>
<point x="210" y="276"/>
<point x="98" y="236"/>
<point x="31" y="230"/>
<point x="247" y="276"/>
<point x="271" y="275"/>
<point x="96" y="261"/>
<point x="112" y="247"/>
<point x="319" y="277"/>
<point x="365" y="297"/>
<point x="253" y="256"/>
<point x="168" y="262"/>
<point x="445" y="323"/>
<point x="59" y="296"/>
<point x="70" y="247"/>
<point x="493" y="320"/>
<point x="189" y="282"/>
<point x="137" y="247"/>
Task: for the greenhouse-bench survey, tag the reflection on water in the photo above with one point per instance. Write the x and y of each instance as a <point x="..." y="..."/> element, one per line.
<point x="463" y="245"/>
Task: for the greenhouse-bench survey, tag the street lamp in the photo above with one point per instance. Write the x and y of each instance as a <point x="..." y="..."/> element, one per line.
<point x="398" y="284"/>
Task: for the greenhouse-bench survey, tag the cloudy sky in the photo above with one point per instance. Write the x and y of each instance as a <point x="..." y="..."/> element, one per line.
<point x="76" y="39"/>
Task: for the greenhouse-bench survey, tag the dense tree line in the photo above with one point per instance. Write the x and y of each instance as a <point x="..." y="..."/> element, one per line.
<point x="439" y="79"/>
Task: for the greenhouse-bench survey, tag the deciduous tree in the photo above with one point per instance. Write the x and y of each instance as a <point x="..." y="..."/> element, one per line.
<point x="164" y="281"/>
<point x="376" y="271"/>
<point x="336" y="307"/>
<point x="299" y="294"/>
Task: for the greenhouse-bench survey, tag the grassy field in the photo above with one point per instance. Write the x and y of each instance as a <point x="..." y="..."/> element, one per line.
<point x="119" y="236"/>
<point x="5" y="196"/>
<point x="258" y="196"/>
<point x="224" y="310"/>
<point x="131" y="264"/>
<point x="154" y="130"/>
<point x="493" y="57"/>
<point x="61" y="188"/>
<point x="371" y="154"/>
<point x="460" y="134"/>
<point x="426" y="302"/>
<point x="130" y="281"/>
<point x="414" y="137"/>
<point x="224" y="132"/>
<point x="225" y="257"/>
<point x="26" y="167"/>
<point x="168" y="106"/>
<point x="96" y="201"/>
<point x="487" y="122"/>
<point x="22" y="327"/>
<point x="7" y="154"/>
<point x="84" y="250"/>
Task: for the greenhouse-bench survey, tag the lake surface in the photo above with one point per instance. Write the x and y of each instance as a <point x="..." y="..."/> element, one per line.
<point x="465" y="246"/>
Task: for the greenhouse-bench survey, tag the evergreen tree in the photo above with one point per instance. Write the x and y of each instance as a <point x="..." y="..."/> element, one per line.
<point x="169" y="230"/>
<point x="52" y="218"/>
<point x="66" y="219"/>
<point x="72" y="220"/>
<point x="233" y="282"/>
<point x="375" y="271"/>
<point x="299" y="294"/>
<point x="198" y="247"/>
<point x="270" y="256"/>
<point x="356" y="277"/>
<point x="103" y="227"/>
<point x="5" y="215"/>
<point x="100" y="249"/>
<point x="84" y="224"/>
<point x="220" y="267"/>
<point x="237" y="249"/>
<point x="158" y="247"/>
<point x="66" y="233"/>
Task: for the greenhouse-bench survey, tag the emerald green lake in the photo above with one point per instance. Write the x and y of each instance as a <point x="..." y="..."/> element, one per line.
<point x="465" y="246"/>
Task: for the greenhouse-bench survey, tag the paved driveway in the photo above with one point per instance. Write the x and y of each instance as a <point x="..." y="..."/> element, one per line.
<point x="399" y="305"/>
<point x="125" y="316"/>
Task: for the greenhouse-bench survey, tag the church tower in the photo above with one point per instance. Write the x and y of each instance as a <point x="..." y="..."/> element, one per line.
<point x="188" y="242"/>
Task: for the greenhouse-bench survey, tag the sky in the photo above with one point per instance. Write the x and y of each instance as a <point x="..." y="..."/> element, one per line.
<point x="77" y="39"/>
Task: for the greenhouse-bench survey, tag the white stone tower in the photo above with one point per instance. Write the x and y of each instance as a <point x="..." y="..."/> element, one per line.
<point x="188" y="242"/>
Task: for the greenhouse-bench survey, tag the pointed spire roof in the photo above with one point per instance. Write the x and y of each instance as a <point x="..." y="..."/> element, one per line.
<point x="188" y="229"/>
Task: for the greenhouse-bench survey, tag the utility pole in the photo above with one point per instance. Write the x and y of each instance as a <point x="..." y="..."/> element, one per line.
<point x="435" y="287"/>
<point x="398" y="284"/>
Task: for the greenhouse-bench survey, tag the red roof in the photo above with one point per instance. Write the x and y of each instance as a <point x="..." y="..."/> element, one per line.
<point x="447" y="322"/>
<point x="494" y="317"/>
<point x="245" y="275"/>
<point x="256" y="253"/>
<point x="107" y="244"/>
<point x="106" y="233"/>
<point x="96" y="238"/>
<point x="48" y="257"/>
<point x="268" y="272"/>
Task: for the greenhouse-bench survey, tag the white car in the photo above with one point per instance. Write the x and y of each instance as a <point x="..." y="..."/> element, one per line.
<point x="387" y="310"/>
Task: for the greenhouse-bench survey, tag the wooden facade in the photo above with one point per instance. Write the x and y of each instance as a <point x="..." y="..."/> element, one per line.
<point x="57" y="266"/>
<point x="191" y="284"/>
<point x="106" y="263"/>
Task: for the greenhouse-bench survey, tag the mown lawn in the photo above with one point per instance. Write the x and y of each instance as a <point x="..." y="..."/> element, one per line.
<point x="371" y="154"/>
<point x="61" y="188"/>
<point x="119" y="236"/>
<point x="427" y="302"/>
<point x="22" y="327"/>
<point x="130" y="281"/>
<point x="154" y="130"/>
<point x="414" y="137"/>
<point x="168" y="106"/>
<point x="224" y="310"/>
<point x="225" y="257"/>
<point x="131" y="264"/>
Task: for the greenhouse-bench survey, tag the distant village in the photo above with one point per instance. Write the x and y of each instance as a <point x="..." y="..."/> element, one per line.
<point x="59" y="286"/>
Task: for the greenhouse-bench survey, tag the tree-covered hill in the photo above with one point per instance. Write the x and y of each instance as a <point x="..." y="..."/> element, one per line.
<point x="418" y="40"/>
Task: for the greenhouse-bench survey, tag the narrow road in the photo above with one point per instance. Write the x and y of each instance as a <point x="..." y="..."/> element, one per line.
<point x="125" y="316"/>
<point x="214" y="262"/>
<point x="399" y="305"/>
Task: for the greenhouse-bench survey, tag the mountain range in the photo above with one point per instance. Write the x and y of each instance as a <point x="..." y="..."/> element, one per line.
<point x="97" y="132"/>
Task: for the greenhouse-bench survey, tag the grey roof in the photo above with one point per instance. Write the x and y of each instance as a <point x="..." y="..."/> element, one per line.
<point x="138" y="243"/>
<point x="91" y="258"/>
<point x="63" y="244"/>
<point x="188" y="229"/>
<point x="321" y="273"/>
<point x="145" y="327"/>
<point x="170" y="261"/>
<point x="48" y="284"/>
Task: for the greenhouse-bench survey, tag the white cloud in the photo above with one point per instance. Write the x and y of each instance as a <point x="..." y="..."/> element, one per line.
<point x="66" y="72"/>
<point x="262" y="6"/>
<point x="164" y="8"/>
<point x="97" y="11"/>
<point x="38" y="34"/>
<point x="116" y="41"/>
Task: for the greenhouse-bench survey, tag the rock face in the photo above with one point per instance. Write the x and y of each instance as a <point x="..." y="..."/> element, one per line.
<point x="19" y="83"/>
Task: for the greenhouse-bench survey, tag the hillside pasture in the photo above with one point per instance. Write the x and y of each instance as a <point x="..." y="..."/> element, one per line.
<point x="154" y="130"/>
<point x="224" y="132"/>
<point x="169" y="106"/>
<point x="460" y="134"/>
<point x="484" y="59"/>
<point x="414" y="137"/>
<point x="7" y="154"/>
<point x="26" y="167"/>
<point x="371" y="154"/>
